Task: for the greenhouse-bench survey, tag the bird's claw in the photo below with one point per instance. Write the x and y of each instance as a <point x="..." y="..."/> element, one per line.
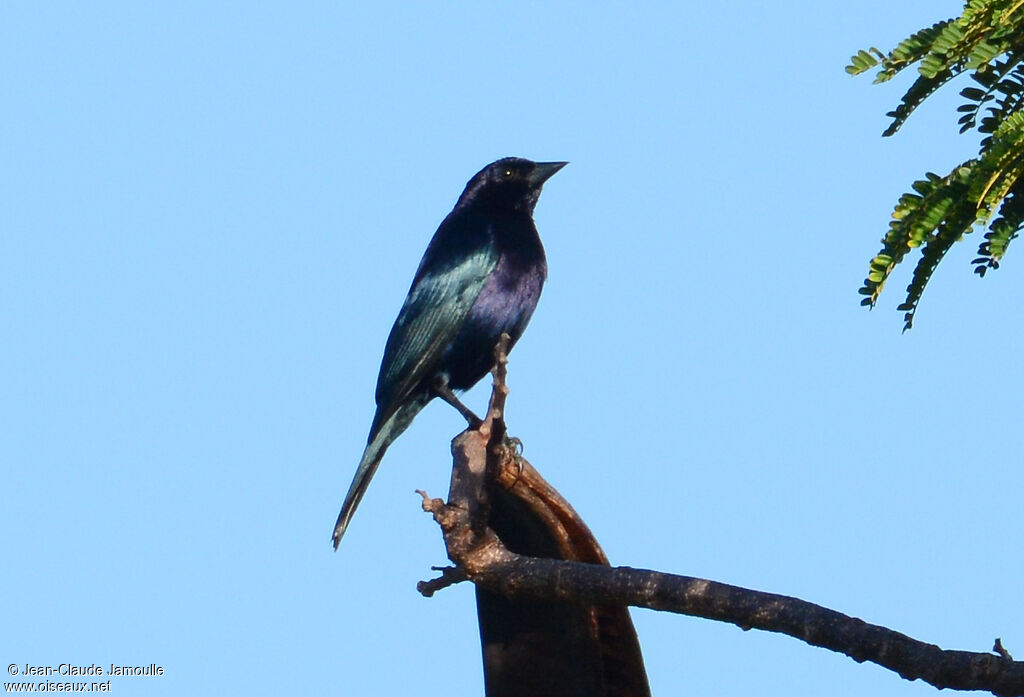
<point x="515" y="444"/>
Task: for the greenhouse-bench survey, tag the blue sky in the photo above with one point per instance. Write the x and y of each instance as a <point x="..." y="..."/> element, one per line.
<point x="211" y="215"/>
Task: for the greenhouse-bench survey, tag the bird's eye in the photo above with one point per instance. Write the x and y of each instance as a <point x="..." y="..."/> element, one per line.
<point x="507" y="173"/>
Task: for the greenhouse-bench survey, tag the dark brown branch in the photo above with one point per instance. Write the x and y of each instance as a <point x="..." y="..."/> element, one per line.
<point x="517" y="576"/>
<point x="450" y="575"/>
<point x="478" y="553"/>
<point x="534" y="646"/>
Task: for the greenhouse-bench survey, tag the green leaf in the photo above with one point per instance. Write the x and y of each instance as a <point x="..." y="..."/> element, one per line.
<point x="987" y="42"/>
<point x="861" y="61"/>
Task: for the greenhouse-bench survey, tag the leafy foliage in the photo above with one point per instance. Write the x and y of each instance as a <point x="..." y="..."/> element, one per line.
<point x="987" y="42"/>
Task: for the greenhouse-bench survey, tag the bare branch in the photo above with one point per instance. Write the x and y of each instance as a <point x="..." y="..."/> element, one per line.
<point x="450" y="575"/>
<point x="483" y="455"/>
<point x="517" y="576"/>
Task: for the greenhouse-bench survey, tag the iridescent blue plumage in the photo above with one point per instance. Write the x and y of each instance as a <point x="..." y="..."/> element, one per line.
<point x="481" y="275"/>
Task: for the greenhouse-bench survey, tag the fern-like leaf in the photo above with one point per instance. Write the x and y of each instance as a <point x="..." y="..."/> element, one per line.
<point x="988" y="77"/>
<point x="915" y="219"/>
<point x="999" y="165"/>
<point x="864" y="60"/>
<point x="910" y="50"/>
<point x="986" y="41"/>
<point x="957" y="220"/>
<point x="1003" y="230"/>
<point x="922" y="88"/>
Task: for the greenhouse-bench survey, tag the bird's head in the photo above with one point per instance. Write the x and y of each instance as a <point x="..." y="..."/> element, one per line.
<point x="511" y="183"/>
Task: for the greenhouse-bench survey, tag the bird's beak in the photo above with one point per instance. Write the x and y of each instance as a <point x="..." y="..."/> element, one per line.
<point x="542" y="171"/>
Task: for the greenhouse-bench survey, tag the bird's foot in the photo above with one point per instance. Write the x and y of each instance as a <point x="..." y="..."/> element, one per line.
<point x="510" y="456"/>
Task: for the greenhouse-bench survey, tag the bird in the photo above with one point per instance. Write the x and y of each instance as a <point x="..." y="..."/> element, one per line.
<point x="481" y="276"/>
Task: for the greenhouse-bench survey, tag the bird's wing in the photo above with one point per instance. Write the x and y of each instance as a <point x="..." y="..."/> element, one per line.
<point x="432" y="315"/>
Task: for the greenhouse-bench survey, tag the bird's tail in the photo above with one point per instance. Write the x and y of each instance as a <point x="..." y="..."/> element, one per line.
<point x="381" y="436"/>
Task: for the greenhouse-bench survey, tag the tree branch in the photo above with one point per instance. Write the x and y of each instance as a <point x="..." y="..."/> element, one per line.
<point x="485" y="455"/>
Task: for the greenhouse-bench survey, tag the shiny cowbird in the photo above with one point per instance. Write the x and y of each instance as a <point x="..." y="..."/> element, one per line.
<point x="481" y="276"/>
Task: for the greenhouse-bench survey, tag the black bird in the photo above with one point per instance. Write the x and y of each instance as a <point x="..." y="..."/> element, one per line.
<point x="481" y="275"/>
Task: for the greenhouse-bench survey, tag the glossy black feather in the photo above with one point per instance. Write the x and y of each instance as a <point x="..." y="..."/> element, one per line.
<point x="481" y="275"/>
